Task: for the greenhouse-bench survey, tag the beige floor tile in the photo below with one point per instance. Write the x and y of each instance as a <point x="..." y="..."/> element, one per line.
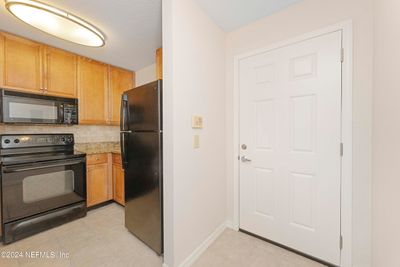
<point x="101" y="240"/>
<point x="98" y="240"/>
<point x="236" y="249"/>
<point x="9" y="262"/>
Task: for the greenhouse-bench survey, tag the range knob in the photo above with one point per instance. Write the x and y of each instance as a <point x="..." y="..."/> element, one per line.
<point x="7" y="141"/>
<point x="16" y="141"/>
<point x="70" y="139"/>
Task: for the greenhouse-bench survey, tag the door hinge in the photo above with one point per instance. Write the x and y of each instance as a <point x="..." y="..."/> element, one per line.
<point x="341" y="242"/>
<point x="342" y="55"/>
<point x="341" y="149"/>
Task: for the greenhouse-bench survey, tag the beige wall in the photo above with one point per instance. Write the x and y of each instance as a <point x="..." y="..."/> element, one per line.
<point x="145" y="75"/>
<point x="307" y="16"/>
<point x="194" y="84"/>
<point x="386" y="134"/>
<point x="82" y="133"/>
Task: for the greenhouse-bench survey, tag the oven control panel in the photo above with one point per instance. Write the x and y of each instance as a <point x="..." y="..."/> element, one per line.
<point x="36" y="140"/>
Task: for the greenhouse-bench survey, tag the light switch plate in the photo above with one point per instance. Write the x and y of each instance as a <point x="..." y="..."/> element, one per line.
<point x="196" y="141"/>
<point x="197" y="122"/>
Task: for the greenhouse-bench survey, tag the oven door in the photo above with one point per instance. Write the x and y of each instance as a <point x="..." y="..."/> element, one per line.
<point x="30" y="189"/>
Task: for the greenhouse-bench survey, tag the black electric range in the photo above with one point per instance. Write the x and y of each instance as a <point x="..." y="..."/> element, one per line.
<point x="43" y="183"/>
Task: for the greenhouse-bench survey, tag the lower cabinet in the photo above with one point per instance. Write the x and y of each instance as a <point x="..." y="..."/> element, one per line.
<point x="118" y="180"/>
<point x="98" y="180"/>
<point x="104" y="179"/>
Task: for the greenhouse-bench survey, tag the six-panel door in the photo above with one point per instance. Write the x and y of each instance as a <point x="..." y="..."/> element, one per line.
<point x="290" y="124"/>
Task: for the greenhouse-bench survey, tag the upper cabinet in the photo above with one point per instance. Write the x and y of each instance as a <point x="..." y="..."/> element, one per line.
<point x="1" y="60"/>
<point x="60" y="69"/>
<point x="36" y="68"/>
<point x="93" y="91"/>
<point x="32" y="67"/>
<point x="22" y="64"/>
<point x="159" y="64"/>
<point x="120" y="81"/>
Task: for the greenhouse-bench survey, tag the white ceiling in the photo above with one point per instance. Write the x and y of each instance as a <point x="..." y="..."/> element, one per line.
<point x="132" y="29"/>
<point x="232" y="14"/>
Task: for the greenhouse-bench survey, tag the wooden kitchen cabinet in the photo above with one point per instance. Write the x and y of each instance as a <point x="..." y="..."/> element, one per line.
<point x="60" y="72"/>
<point x="22" y="64"/>
<point x="120" y="81"/>
<point x="97" y="179"/>
<point x="92" y="91"/>
<point x="104" y="179"/>
<point x="118" y="179"/>
<point x="32" y="67"/>
<point x="159" y="64"/>
<point x="1" y="60"/>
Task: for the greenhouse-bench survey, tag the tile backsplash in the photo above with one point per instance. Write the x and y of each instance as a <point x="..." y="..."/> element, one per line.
<point x="82" y="133"/>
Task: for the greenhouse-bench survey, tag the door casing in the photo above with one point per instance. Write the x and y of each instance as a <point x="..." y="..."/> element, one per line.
<point x="347" y="132"/>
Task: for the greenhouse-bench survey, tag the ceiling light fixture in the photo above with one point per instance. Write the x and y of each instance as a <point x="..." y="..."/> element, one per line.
<point x="56" y="22"/>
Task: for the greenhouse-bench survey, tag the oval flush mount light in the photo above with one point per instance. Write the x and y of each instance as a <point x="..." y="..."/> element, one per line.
<point x="56" y="22"/>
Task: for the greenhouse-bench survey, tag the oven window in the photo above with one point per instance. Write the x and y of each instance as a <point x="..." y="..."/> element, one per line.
<point x="48" y="185"/>
<point x="32" y="111"/>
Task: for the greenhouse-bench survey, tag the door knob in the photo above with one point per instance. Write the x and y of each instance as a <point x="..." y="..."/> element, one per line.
<point x="245" y="159"/>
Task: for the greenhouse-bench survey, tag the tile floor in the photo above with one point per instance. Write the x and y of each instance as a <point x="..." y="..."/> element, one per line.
<point x="99" y="239"/>
<point x="236" y="249"/>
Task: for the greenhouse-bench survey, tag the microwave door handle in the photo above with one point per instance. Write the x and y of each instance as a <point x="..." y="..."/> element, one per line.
<point x="60" y="113"/>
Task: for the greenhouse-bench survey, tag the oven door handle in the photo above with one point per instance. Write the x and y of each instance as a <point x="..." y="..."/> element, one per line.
<point x="42" y="166"/>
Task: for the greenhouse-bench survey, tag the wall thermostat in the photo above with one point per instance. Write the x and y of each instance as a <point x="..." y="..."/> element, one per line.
<point x="197" y="122"/>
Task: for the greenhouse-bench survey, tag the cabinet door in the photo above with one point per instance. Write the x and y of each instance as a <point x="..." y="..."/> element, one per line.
<point x="120" y="81"/>
<point x="97" y="183"/>
<point x="1" y="60"/>
<point x="60" y="72"/>
<point x="22" y="64"/>
<point x="118" y="181"/>
<point x="159" y="66"/>
<point x="93" y="92"/>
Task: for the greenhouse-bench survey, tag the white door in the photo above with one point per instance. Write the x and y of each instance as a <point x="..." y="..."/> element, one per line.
<point x="290" y="132"/>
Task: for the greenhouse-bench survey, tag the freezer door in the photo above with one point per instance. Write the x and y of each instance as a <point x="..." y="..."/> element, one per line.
<point x="143" y="189"/>
<point x="145" y="107"/>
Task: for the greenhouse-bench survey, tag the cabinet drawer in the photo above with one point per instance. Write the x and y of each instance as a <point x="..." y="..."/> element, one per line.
<point x="96" y="159"/>
<point x="116" y="158"/>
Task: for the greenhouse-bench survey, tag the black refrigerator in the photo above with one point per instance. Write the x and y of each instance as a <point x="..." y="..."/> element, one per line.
<point x="141" y="154"/>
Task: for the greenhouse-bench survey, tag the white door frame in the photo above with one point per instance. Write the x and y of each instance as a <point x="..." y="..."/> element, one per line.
<point x="347" y="131"/>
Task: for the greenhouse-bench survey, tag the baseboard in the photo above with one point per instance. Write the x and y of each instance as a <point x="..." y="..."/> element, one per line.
<point x="231" y="225"/>
<point x="206" y="243"/>
<point x="203" y="246"/>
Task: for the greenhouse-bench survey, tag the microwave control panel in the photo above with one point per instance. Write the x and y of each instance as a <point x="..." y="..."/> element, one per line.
<point x="70" y="114"/>
<point x="22" y="141"/>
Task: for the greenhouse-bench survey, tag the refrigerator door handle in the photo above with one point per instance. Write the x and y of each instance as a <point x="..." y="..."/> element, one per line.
<point x="124" y="145"/>
<point x="124" y="130"/>
<point x="124" y="112"/>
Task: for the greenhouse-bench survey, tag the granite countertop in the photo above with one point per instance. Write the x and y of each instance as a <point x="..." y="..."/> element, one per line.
<point x="97" y="148"/>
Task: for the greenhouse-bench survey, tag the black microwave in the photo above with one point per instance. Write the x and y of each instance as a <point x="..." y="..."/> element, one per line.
<point x="26" y="108"/>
